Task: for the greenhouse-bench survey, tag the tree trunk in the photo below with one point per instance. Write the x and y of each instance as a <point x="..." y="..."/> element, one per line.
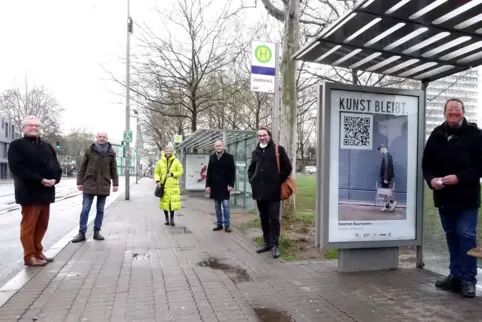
<point x="193" y="121"/>
<point x="289" y="106"/>
<point x="354" y="76"/>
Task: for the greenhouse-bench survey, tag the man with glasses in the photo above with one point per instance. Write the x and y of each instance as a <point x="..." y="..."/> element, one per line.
<point x="266" y="180"/>
<point x="451" y="165"/>
<point x="36" y="171"/>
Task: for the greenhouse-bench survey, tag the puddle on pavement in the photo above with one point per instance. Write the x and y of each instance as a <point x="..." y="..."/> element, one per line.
<point x="235" y="273"/>
<point x="137" y="256"/>
<point x="271" y="315"/>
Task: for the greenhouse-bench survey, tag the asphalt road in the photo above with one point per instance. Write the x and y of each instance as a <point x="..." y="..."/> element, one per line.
<point x="66" y="188"/>
<point x="64" y="217"/>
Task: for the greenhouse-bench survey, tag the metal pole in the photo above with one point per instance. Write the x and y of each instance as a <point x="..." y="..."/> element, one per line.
<point x="275" y="127"/>
<point x="138" y="143"/>
<point x="419" y="249"/>
<point x="128" y="107"/>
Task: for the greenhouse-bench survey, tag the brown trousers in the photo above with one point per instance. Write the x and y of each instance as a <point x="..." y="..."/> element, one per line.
<point x="35" y="221"/>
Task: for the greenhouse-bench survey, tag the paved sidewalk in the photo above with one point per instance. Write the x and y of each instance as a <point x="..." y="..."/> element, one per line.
<point x="145" y="271"/>
<point x="64" y="216"/>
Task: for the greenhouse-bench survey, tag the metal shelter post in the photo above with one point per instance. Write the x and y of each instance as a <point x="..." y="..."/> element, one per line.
<point x="419" y="250"/>
<point x="128" y="107"/>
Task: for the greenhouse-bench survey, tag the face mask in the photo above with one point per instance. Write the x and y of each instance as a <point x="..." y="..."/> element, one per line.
<point x="263" y="145"/>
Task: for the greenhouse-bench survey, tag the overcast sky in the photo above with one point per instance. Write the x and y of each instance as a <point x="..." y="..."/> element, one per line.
<point x="64" y="44"/>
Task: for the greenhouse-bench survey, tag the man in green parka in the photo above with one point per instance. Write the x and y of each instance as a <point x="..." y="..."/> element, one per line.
<point x="96" y="174"/>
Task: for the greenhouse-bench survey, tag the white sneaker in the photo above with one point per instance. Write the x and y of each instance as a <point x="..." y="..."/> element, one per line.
<point x="393" y="205"/>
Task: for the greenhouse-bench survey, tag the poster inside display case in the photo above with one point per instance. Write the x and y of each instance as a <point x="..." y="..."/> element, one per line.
<point x="373" y="142"/>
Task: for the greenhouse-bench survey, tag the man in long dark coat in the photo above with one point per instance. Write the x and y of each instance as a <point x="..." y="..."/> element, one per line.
<point x="266" y="180"/>
<point x="220" y="180"/>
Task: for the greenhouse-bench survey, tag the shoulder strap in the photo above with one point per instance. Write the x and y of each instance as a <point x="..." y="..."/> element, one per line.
<point x="277" y="158"/>
<point x="169" y="165"/>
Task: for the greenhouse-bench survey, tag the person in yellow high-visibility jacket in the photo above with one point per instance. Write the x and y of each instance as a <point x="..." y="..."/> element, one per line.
<point x="167" y="172"/>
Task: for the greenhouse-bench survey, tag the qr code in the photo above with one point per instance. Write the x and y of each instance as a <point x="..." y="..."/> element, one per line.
<point x="356" y="131"/>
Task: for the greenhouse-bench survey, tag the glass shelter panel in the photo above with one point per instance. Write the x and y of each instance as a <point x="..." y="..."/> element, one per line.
<point x="241" y="151"/>
<point x="435" y="251"/>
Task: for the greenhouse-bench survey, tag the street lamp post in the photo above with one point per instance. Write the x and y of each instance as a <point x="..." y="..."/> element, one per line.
<point x="138" y="143"/>
<point x="128" y="108"/>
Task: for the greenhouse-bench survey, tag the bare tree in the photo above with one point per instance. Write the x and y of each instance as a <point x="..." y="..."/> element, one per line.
<point x="73" y="145"/>
<point x="176" y="69"/>
<point x="289" y="108"/>
<point x="160" y="129"/>
<point x="16" y="104"/>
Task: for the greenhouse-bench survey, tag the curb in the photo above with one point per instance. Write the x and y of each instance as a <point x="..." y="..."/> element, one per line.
<point x="25" y="275"/>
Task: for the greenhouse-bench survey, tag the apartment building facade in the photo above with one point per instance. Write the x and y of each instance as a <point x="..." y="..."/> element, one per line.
<point x="464" y="86"/>
<point x="7" y="135"/>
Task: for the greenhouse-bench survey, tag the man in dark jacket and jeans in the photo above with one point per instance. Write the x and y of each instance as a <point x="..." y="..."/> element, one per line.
<point x="266" y="187"/>
<point x="97" y="171"/>
<point x="219" y="184"/>
<point x="36" y="171"/>
<point x="451" y="166"/>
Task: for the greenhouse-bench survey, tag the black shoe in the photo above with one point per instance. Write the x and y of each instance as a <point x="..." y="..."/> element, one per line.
<point x="166" y="223"/>
<point x="98" y="236"/>
<point x="172" y="223"/>
<point x="79" y="238"/>
<point x="275" y="252"/>
<point x="265" y="248"/>
<point x="468" y="289"/>
<point x="449" y="283"/>
<point x="218" y="228"/>
<point x="228" y="229"/>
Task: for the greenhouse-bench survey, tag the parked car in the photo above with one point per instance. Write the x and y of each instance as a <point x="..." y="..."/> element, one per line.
<point x="310" y="169"/>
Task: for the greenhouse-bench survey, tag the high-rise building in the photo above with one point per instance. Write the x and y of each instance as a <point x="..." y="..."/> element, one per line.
<point x="463" y="86"/>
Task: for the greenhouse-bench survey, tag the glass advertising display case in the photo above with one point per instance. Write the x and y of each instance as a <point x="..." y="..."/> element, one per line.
<point x="370" y="186"/>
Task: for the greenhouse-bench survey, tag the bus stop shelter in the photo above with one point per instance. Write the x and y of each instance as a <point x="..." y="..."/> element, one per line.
<point x="196" y="149"/>
<point x="422" y="40"/>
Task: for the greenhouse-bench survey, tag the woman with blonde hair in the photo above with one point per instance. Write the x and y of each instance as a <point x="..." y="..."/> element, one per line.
<point x="167" y="172"/>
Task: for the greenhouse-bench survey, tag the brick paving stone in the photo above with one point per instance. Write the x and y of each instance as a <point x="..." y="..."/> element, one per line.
<point x="145" y="271"/>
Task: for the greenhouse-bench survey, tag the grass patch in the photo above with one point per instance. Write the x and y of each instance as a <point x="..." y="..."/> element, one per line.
<point x="331" y="253"/>
<point x="254" y="223"/>
<point x="287" y="247"/>
<point x="434" y="236"/>
<point x="294" y="242"/>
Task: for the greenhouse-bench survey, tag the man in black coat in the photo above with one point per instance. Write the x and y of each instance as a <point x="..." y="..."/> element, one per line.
<point x="266" y="183"/>
<point x="386" y="175"/>
<point x="219" y="184"/>
<point x="36" y="171"/>
<point x="451" y="165"/>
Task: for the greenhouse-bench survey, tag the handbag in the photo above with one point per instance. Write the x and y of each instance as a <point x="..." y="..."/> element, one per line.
<point x="288" y="188"/>
<point x="159" y="192"/>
